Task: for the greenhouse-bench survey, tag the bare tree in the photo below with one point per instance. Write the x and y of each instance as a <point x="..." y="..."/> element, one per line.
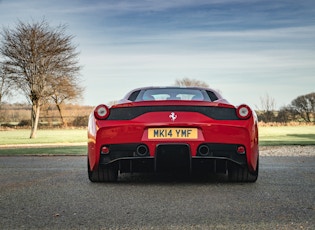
<point x="305" y="106"/>
<point x="65" y="89"/>
<point x="35" y="55"/>
<point x="268" y="105"/>
<point x="286" y="114"/>
<point x="190" y="82"/>
<point x="5" y="86"/>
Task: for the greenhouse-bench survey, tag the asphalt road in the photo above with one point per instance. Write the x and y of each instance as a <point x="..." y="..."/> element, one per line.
<point x="55" y="193"/>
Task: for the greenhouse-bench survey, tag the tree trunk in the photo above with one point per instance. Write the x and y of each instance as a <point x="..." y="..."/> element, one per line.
<point x="64" y="124"/>
<point x="308" y="117"/>
<point x="35" y="118"/>
<point x="0" y="100"/>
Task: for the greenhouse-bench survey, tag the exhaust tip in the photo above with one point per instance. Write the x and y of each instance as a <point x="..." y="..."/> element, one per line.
<point x="203" y="150"/>
<point x="142" y="150"/>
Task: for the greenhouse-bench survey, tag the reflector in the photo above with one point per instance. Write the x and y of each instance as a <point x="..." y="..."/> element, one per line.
<point x="240" y="149"/>
<point x="105" y="150"/>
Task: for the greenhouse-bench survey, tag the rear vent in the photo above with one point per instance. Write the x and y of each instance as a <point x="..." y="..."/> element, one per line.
<point x="129" y="113"/>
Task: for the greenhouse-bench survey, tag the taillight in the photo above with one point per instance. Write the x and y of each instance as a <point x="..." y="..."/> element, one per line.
<point x="243" y="111"/>
<point x="101" y="112"/>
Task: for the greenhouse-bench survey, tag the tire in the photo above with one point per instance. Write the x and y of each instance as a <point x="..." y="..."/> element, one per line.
<point x="103" y="173"/>
<point x="237" y="173"/>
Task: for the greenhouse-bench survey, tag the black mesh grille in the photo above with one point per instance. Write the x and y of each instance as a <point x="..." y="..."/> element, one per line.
<point x="129" y="113"/>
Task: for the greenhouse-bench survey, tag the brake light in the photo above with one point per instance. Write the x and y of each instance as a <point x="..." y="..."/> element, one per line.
<point x="101" y="112"/>
<point x="243" y="111"/>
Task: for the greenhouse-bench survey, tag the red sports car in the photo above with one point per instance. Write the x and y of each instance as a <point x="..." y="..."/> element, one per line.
<point x="173" y="130"/>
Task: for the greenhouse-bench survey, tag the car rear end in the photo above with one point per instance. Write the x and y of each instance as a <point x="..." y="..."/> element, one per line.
<point x="175" y="136"/>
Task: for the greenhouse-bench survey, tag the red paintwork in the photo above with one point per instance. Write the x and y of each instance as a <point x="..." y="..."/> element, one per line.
<point x="244" y="132"/>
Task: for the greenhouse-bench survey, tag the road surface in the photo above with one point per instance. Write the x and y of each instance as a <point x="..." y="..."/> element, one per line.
<point x="55" y="193"/>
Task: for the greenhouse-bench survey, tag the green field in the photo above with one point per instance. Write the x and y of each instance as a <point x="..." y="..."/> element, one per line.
<point x="18" y="138"/>
<point x="287" y="135"/>
<point x="283" y="135"/>
<point x="21" y="136"/>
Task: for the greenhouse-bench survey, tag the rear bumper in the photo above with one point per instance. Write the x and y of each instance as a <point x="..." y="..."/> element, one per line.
<point x="136" y="157"/>
<point x="220" y="137"/>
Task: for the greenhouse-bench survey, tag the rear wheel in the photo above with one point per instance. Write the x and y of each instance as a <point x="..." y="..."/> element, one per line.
<point x="237" y="173"/>
<point x="103" y="173"/>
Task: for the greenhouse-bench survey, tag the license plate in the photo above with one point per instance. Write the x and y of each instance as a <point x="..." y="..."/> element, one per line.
<point x="173" y="133"/>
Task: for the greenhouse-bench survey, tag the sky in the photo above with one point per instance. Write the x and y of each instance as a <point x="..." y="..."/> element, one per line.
<point x="246" y="49"/>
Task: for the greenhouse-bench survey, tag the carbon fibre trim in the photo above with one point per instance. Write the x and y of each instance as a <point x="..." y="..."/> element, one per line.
<point x="129" y="113"/>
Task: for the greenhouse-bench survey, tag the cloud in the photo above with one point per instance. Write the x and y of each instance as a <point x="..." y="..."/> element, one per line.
<point x="126" y="6"/>
<point x="245" y="48"/>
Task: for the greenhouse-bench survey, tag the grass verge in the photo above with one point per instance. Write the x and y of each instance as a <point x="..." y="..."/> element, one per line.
<point x="287" y="135"/>
<point x="64" y="150"/>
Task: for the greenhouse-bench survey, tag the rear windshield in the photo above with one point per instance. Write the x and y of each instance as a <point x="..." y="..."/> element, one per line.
<point x="175" y="94"/>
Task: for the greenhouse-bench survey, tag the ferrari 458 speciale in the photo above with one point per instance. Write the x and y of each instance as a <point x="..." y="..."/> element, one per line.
<point x="173" y="130"/>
